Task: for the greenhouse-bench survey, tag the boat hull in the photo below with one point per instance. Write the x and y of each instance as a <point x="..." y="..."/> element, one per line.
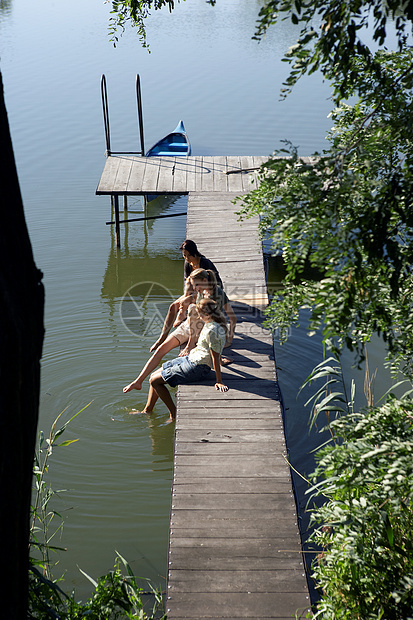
<point x="175" y="144"/>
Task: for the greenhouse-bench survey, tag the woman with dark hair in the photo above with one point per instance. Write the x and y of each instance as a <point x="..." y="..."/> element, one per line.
<point x="176" y="313"/>
<point x="195" y="260"/>
<point x="195" y="366"/>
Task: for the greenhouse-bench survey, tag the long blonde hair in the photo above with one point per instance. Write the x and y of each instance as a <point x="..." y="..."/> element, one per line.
<point x="209" y="276"/>
<point x="209" y="307"/>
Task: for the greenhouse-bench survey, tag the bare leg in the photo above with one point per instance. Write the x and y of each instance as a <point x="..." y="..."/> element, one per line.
<point x="195" y="326"/>
<point x="183" y="308"/>
<point x="150" y="402"/>
<point x="159" y="386"/>
<point x="168" y="323"/>
<point x="170" y="343"/>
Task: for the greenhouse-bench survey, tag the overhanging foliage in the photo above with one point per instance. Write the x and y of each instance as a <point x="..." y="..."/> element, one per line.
<point x="347" y="213"/>
<point x="332" y="33"/>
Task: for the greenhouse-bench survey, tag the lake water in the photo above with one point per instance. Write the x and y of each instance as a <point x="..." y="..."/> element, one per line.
<point x="205" y="69"/>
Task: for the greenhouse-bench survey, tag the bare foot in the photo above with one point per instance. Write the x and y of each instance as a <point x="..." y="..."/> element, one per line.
<point x="226" y="360"/>
<point x="135" y="385"/>
<point x="135" y="412"/>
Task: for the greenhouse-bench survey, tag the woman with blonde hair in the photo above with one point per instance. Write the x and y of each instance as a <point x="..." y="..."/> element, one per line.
<point x="205" y="286"/>
<point x="195" y="366"/>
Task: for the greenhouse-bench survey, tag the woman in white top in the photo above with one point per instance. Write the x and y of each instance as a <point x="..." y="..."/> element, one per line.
<point x="197" y="365"/>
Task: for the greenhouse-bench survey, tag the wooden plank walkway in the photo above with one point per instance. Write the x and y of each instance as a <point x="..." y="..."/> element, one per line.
<point x="234" y="544"/>
<point x="234" y="549"/>
<point x="132" y="175"/>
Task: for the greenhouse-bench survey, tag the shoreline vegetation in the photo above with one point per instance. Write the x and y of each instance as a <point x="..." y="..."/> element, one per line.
<point x="118" y="594"/>
<point x="360" y="501"/>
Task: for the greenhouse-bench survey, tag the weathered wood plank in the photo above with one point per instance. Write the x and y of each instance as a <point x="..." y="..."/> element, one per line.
<point x="107" y="180"/>
<point x="262" y="547"/>
<point x="166" y="174"/>
<point x="214" y="558"/>
<point x="203" y="523"/>
<point x="262" y="423"/>
<point x="235" y="413"/>
<point x="151" y="174"/>
<point x="206" y="399"/>
<point x="136" y="176"/>
<point x="228" y="501"/>
<point x="238" y="581"/>
<point x="180" y="174"/>
<point x="209" y="171"/>
<point x="123" y="175"/>
<point x="194" y="169"/>
<point x="241" y="605"/>
<point x="253" y="527"/>
<point x="241" y="485"/>
<point x="235" y="181"/>
<point x="237" y="469"/>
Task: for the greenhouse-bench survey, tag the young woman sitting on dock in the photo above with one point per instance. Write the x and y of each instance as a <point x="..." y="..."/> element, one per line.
<point x="178" y="309"/>
<point x="195" y="366"/>
<point x="206" y="287"/>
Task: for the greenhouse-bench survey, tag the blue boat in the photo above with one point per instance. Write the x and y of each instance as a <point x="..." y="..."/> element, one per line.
<point x="175" y="144"/>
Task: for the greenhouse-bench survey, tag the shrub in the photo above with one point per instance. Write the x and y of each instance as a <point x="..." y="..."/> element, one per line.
<point x="365" y="527"/>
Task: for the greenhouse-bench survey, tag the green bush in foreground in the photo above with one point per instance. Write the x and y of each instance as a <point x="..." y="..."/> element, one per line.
<point x="365" y="527"/>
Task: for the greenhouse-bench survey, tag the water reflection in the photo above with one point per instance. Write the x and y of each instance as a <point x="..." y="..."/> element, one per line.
<point x="145" y="274"/>
<point x="6" y="7"/>
<point x="162" y="436"/>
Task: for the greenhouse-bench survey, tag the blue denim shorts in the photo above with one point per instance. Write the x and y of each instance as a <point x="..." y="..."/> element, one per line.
<point x="181" y="371"/>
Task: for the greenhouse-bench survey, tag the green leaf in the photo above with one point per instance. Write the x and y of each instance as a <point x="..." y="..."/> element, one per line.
<point x="67" y="442"/>
<point x="92" y="581"/>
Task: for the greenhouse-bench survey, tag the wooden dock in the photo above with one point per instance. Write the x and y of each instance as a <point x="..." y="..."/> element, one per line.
<point x="133" y="175"/>
<point x="128" y="175"/>
<point x="234" y="544"/>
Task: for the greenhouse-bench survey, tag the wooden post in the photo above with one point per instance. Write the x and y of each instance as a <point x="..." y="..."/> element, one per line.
<point x="117" y="225"/>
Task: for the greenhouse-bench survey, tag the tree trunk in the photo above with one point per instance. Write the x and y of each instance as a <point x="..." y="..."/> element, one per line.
<point x="21" y="340"/>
